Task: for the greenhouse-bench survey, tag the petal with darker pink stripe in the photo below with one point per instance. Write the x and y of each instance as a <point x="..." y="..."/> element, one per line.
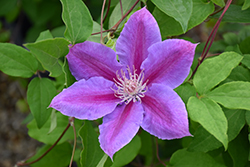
<point x="169" y="62"/>
<point x="165" y="114"/>
<point x="120" y="126"/>
<point x="91" y="59"/>
<point x="138" y="34"/>
<point x="87" y="99"/>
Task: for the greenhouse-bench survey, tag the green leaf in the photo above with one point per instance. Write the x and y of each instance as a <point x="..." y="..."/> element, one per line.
<point x="58" y="31"/>
<point x="204" y="142"/>
<point x="220" y="3"/>
<point x="48" y="53"/>
<point x="233" y="95"/>
<point x="244" y="46"/>
<point x="44" y="135"/>
<point x="246" y="60"/>
<point x="210" y="116"/>
<point x="92" y="154"/>
<point x="235" y="14"/>
<point x="53" y="121"/>
<point x="58" y="156"/>
<point x="96" y="28"/>
<point x="102" y="161"/>
<point x="185" y="91"/>
<point x="39" y="95"/>
<point x="180" y="10"/>
<point x="214" y="70"/>
<point x="16" y="61"/>
<point x="246" y="5"/>
<point x="127" y="153"/>
<point x="170" y="27"/>
<point x="239" y="74"/>
<point x="116" y="13"/>
<point x="239" y="150"/>
<point x="233" y="48"/>
<point x="236" y="121"/>
<point x="78" y="21"/>
<point x="183" y="158"/>
<point x="44" y="35"/>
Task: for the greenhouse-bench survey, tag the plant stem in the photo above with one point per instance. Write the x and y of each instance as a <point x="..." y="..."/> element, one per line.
<point x="106" y="15"/>
<point x="74" y="148"/>
<point x="121" y="8"/>
<point x="157" y="152"/>
<point x="25" y="164"/>
<point x="103" y="5"/>
<point x="211" y="38"/>
<point x="114" y="28"/>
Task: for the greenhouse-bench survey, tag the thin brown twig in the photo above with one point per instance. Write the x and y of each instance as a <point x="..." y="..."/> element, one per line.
<point x="96" y="33"/>
<point x="106" y="15"/>
<point x="114" y="28"/>
<point x="124" y="16"/>
<point x="74" y="147"/>
<point x="103" y="5"/>
<point x="29" y="163"/>
<point x="157" y="152"/>
<point x="211" y="38"/>
<point x="214" y="13"/>
<point x="121" y="8"/>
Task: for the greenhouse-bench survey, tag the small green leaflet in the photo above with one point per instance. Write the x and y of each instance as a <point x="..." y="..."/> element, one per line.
<point x="17" y="61"/>
<point x="39" y="95"/>
<point x="246" y="5"/>
<point x="170" y="27"/>
<point x="210" y="115"/>
<point x="44" y="35"/>
<point x="233" y="95"/>
<point x="214" y="70"/>
<point x="180" y="10"/>
<point x="48" y="53"/>
<point x="78" y="21"/>
<point x="220" y="3"/>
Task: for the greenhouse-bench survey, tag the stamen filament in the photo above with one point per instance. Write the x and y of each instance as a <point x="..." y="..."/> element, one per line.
<point x="131" y="88"/>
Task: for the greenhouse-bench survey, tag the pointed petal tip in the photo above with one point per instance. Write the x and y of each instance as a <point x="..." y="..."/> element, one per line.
<point x="169" y="62"/>
<point x="139" y="33"/>
<point x="119" y="127"/>
<point x="86" y="99"/>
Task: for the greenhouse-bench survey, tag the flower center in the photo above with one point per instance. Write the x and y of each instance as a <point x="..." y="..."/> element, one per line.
<point x="131" y="88"/>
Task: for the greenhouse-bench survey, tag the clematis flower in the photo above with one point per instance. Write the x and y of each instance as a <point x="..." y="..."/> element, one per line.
<point x="135" y="92"/>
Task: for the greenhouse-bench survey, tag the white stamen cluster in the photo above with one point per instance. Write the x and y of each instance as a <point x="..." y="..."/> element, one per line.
<point x="131" y="88"/>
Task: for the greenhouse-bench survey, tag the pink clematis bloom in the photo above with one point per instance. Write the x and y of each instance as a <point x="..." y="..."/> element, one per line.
<point x="135" y="92"/>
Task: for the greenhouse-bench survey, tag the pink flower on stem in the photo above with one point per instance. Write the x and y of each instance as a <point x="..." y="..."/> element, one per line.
<point x="135" y="92"/>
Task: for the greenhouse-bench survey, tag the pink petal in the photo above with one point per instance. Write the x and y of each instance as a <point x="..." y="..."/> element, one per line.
<point x="165" y="113"/>
<point x="138" y="34"/>
<point x="119" y="127"/>
<point x="169" y="62"/>
<point x="91" y="99"/>
<point x="91" y="59"/>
